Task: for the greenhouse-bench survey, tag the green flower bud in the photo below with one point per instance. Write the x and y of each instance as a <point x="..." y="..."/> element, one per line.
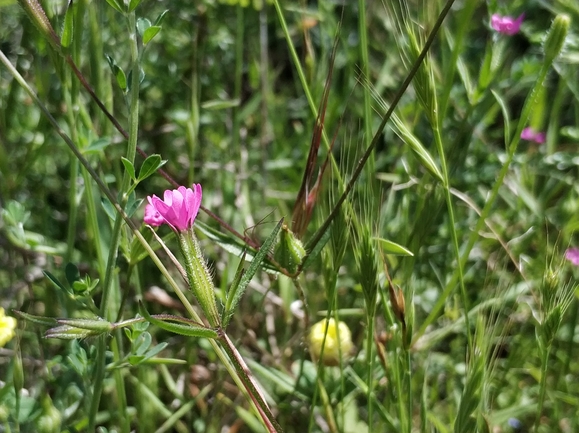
<point x="556" y="37"/>
<point x="290" y="250"/>
<point x="18" y="373"/>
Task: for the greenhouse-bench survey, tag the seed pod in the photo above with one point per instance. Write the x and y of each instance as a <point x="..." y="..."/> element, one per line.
<point x="290" y="250"/>
<point x="556" y="37"/>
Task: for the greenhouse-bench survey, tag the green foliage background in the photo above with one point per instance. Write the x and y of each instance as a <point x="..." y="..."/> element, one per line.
<point x="489" y="336"/>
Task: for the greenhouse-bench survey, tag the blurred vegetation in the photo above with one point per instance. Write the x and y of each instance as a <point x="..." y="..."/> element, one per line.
<point x="458" y="323"/>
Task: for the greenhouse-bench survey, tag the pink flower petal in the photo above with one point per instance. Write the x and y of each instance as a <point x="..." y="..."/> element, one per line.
<point x="540" y="137"/>
<point x="528" y="134"/>
<point x="152" y="217"/>
<point x="178" y="209"/>
<point x="572" y="254"/>
<point x="507" y="25"/>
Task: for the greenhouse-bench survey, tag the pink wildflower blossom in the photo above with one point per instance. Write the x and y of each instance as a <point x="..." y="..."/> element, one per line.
<point x="530" y="135"/>
<point x="152" y="217"/>
<point x="178" y="209"/>
<point x="572" y="254"/>
<point x="506" y="25"/>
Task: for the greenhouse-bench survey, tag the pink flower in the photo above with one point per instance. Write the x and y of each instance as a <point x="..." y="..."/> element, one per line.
<point x="540" y="137"/>
<point x="530" y="135"/>
<point x="178" y="209"/>
<point x="506" y="25"/>
<point x="572" y="254"/>
<point x="152" y="217"/>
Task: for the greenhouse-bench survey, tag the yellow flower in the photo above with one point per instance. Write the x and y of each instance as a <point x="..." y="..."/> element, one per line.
<point x="333" y="347"/>
<point x="7" y="326"/>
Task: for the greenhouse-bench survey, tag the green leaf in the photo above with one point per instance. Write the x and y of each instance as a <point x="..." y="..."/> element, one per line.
<point x="133" y="5"/>
<point x="133" y="204"/>
<point x="231" y="244"/>
<point x="68" y="29"/>
<point x="130" y="79"/>
<point x="96" y="146"/>
<point x="150" y="166"/>
<point x="390" y="247"/>
<point x="142" y="344"/>
<point x="150" y="33"/>
<point x="236" y="291"/>
<point x="55" y="282"/>
<point x="142" y="25"/>
<point x="185" y="327"/>
<point x="117" y="5"/>
<point x="139" y="359"/>
<point x="121" y="78"/>
<point x="71" y="272"/>
<point x="108" y="208"/>
<point x="129" y="167"/>
<point x="118" y="73"/>
<point x="160" y="17"/>
<point x="506" y="117"/>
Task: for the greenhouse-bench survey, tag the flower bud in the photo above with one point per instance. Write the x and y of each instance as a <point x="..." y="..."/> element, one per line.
<point x="336" y="341"/>
<point x="290" y="250"/>
<point x="17" y="372"/>
<point x="556" y="37"/>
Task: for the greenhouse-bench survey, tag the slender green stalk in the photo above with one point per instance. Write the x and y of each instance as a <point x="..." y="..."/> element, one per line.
<point x="106" y="308"/>
<point x="363" y="32"/>
<point x="545" y="351"/>
<point x="511" y="150"/>
<point x="370" y="318"/>
<point x="409" y="396"/>
<point x="378" y="134"/>
<point x="452" y="226"/>
<point x="249" y="384"/>
<point x="193" y="121"/>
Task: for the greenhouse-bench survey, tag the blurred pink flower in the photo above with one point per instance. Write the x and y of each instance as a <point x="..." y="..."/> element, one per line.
<point x="178" y="209"/>
<point x="540" y="137"/>
<point x="572" y="254"/>
<point x="152" y="217"/>
<point x="530" y="135"/>
<point x="506" y="25"/>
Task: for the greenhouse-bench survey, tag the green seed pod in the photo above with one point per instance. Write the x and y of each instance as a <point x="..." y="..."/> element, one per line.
<point x="97" y="325"/>
<point x="38" y="17"/>
<point x="66" y="332"/>
<point x="289" y="251"/>
<point x="18" y="372"/>
<point x="556" y="37"/>
<point x="199" y="277"/>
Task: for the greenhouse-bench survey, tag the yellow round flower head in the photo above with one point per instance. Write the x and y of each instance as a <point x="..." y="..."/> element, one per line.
<point x="334" y="346"/>
<point x="7" y="326"/>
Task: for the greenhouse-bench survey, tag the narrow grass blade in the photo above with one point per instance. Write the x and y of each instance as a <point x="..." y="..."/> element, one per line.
<point x="236" y="292"/>
<point x="185" y="327"/>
